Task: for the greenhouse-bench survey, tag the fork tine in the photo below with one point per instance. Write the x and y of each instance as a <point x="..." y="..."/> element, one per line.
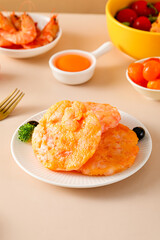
<point x="10" y="100"/>
<point x="7" y="98"/>
<point x="14" y="103"/>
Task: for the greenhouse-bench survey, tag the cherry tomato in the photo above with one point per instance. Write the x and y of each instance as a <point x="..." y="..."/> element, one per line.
<point x="151" y="59"/>
<point x="126" y="15"/>
<point x="151" y="70"/>
<point x="135" y="72"/>
<point x="140" y="7"/>
<point x="154" y="84"/>
<point x="142" y="23"/>
<point x="157" y="6"/>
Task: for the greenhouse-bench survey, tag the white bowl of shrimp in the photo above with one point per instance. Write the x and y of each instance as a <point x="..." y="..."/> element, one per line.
<point x="28" y="35"/>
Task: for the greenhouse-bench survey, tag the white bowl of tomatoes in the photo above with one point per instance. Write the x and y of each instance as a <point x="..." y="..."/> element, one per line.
<point x="144" y="76"/>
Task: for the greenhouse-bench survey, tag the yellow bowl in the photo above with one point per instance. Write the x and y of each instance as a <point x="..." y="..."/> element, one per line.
<point x="136" y="43"/>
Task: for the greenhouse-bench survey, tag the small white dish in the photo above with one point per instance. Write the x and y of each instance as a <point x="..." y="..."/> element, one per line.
<point x="75" y="78"/>
<point x="24" y="157"/>
<point x="151" y="94"/>
<point x="27" y="53"/>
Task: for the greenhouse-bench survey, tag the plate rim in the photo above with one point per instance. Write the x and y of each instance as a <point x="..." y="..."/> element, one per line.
<point x="119" y="178"/>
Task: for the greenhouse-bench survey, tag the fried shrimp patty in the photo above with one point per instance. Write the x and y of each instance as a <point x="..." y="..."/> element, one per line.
<point x="67" y="136"/>
<point x="116" y="152"/>
<point x="108" y="116"/>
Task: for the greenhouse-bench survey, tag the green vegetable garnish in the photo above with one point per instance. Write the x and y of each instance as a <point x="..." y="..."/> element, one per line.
<point x="152" y="18"/>
<point x="25" y="132"/>
<point x="126" y="23"/>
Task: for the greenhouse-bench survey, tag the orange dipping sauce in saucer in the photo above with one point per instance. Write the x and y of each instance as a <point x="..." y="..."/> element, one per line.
<point x="72" y="63"/>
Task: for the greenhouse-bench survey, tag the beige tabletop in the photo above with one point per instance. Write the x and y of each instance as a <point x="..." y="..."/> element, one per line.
<point x="31" y="209"/>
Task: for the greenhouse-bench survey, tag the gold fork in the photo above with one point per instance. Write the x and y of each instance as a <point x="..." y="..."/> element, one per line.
<point x="9" y="103"/>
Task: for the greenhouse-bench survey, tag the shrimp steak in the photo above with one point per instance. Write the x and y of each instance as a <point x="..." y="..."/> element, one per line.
<point x="116" y="152"/>
<point x="67" y="136"/>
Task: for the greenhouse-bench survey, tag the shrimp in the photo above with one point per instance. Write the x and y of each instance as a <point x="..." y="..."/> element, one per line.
<point x="6" y="25"/>
<point x="16" y="20"/>
<point x="50" y="30"/>
<point x="47" y="35"/>
<point x="27" y="33"/>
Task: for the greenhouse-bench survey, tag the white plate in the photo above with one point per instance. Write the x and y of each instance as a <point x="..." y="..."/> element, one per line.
<point x="24" y="157"/>
<point x="26" y="53"/>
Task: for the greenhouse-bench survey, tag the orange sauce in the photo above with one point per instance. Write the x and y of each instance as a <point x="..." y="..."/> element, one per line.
<point x="72" y="62"/>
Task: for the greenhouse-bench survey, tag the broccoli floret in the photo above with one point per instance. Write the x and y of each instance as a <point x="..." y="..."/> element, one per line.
<point x="25" y="132"/>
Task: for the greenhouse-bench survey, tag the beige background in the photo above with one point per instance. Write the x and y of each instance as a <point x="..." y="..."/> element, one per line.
<point x="66" y="6"/>
<point x="33" y="210"/>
